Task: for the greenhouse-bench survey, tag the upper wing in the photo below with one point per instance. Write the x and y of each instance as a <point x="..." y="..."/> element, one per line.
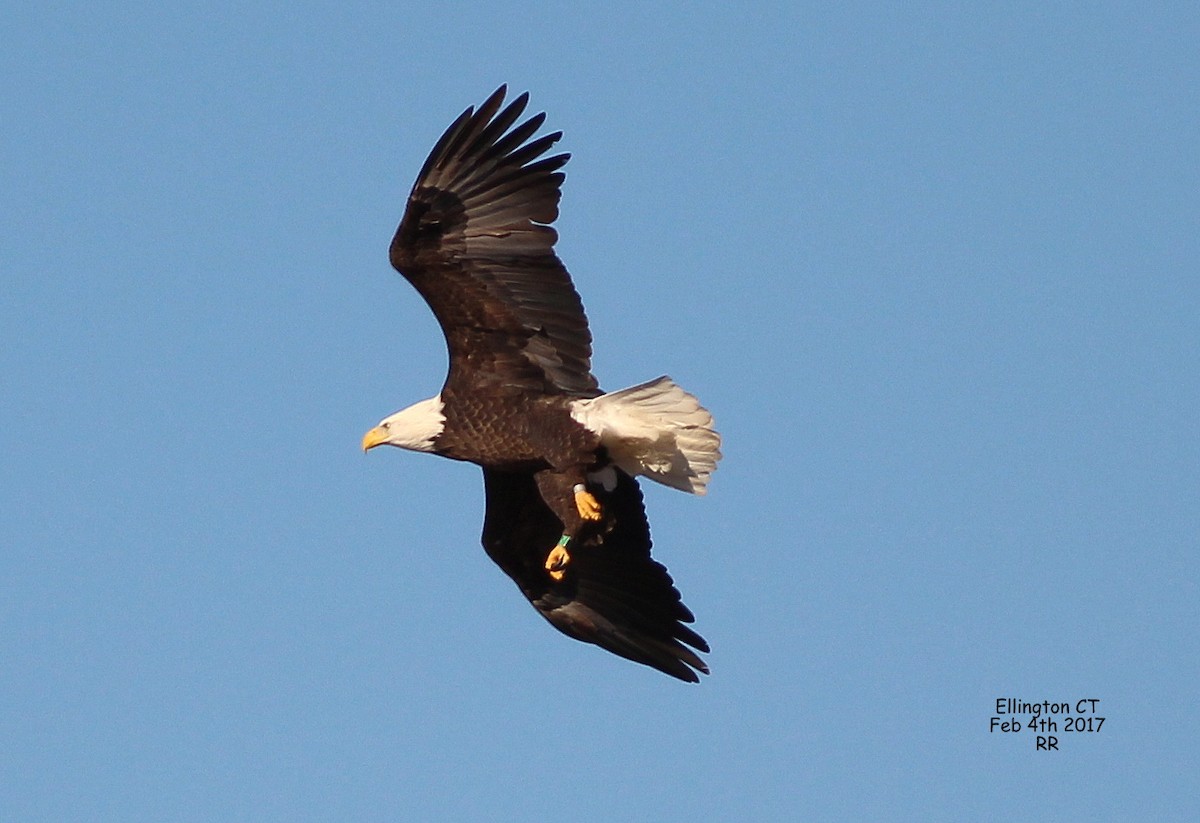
<point x="476" y="242"/>
<point x="612" y="594"/>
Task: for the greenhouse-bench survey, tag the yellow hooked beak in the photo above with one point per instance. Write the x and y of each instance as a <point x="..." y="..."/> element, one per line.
<point x="374" y="437"/>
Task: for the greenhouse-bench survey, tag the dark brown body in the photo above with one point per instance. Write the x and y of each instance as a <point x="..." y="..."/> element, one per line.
<point x="516" y="431"/>
<point x="519" y="432"/>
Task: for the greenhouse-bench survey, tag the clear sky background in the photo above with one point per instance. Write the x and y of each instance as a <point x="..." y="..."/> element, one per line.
<point x="933" y="266"/>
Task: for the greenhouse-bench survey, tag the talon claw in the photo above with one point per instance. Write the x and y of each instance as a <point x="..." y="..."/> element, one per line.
<point x="558" y="559"/>
<point x="587" y="504"/>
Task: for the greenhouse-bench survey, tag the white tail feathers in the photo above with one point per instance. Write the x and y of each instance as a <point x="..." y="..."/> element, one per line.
<point x="657" y="430"/>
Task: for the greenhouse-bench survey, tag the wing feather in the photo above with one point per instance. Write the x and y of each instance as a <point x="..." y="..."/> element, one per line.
<point x="613" y="593"/>
<point x="476" y="241"/>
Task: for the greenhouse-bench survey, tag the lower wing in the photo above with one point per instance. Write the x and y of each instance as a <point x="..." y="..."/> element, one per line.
<point x="612" y="593"/>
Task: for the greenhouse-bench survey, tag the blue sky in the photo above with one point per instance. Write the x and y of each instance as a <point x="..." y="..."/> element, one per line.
<point x="933" y="267"/>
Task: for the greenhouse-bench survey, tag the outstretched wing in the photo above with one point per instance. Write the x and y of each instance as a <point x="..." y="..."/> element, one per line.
<point x="612" y="594"/>
<point x="476" y="242"/>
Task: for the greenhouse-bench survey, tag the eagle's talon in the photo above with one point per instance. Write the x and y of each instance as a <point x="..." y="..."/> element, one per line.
<point x="587" y="504"/>
<point x="557" y="560"/>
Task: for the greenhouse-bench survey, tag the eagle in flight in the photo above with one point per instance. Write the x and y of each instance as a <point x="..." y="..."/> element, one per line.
<point x="564" y="518"/>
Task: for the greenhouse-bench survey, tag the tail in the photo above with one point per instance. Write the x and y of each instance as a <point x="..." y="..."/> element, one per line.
<point x="656" y="430"/>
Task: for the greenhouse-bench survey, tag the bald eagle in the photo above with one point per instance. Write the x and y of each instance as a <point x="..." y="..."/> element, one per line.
<point x="564" y="514"/>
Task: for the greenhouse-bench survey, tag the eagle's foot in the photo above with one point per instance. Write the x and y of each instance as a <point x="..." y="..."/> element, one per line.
<point x="558" y="558"/>
<point x="586" y="503"/>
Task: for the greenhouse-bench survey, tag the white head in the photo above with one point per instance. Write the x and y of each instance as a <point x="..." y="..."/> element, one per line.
<point x="413" y="428"/>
